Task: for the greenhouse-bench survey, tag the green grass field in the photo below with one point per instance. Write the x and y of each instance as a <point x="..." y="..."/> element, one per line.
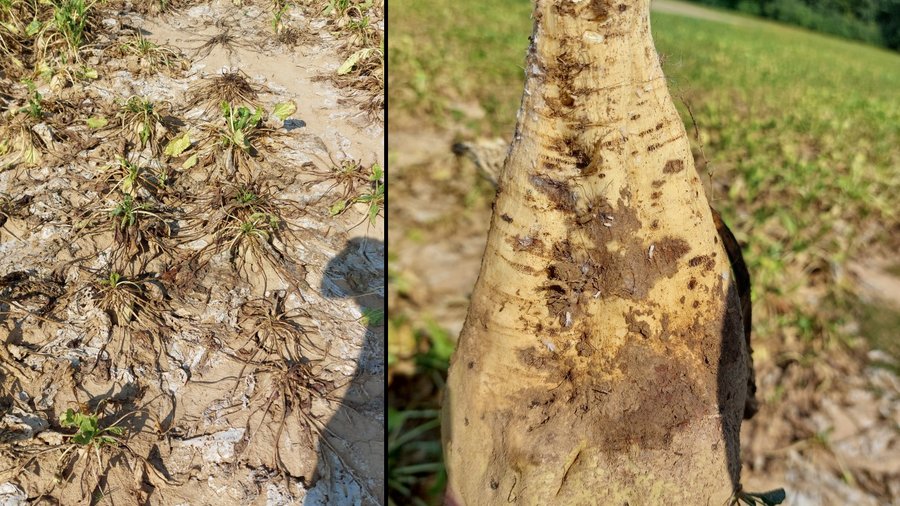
<point x="801" y="133"/>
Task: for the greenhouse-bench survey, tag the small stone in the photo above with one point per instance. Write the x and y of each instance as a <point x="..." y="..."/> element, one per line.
<point x="18" y="425"/>
<point x="11" y="495"/>
<point x="51" y="438"/>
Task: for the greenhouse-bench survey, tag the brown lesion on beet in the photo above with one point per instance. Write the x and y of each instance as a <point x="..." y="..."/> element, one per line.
<point x="613" y="415"/>
<point x="692" y="284"/>
<point x="507" y="218"/>
<point x="587" y="270"/>
<point x="566" y="272"/>
<point x="580" y="156"/>
<point x="565" y="285"/>
<point x="665" y="332"/>
<point x="612" y="34"/>
<point x="673" y="166"/>
<point x="651" y="130"/>
<point x="705" y="261"/>
<point x="566" y="68"/>
<point x="559" y="145"/>
<point x="559" y="158"/>
<point x="523" y="268"/>
<point x="560" y="94"/>
<point x="653" y="147"/>
<point x="549" y="166"/>
<point x="611" y="143"/>
<point x="583" y="347"/>
<point x="598" y="10"/>
<point x="533" y="357"/>
<point x="658" y="380"/>
<point x="636" y="326"/>
<point x="572" y="151"/>
<point x="666" y="253"/>
<point x="561" y="103"/>
<point x="595" y="164"/>
<point x="644" y="133"/>
<point x="525" y="243"/>
<point x="564" y="8"/>
<point x="558" y="192"/>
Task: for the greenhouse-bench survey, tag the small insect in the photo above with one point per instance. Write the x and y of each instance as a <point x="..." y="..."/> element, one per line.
<point x="650" y="252"/>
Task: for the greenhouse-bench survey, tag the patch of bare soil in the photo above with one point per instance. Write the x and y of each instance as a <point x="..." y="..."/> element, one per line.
<point x="828" y="429"/>
<point x="693" y="11"/>
<point x="194" y="325"/>
<point x="442" y="215"/>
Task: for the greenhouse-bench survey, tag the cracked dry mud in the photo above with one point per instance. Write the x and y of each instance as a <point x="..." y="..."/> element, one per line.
<point x="248" y="382"/>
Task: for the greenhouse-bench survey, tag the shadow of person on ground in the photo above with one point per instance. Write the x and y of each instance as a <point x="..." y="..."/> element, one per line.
<point x="350" y="469"/>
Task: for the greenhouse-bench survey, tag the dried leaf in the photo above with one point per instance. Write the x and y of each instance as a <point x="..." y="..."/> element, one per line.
<point x="96" y="122"/>
<point x="337" y="208"/>
<point x="354" y="58"/>
<point x="190" y="162"/>
<point x="284" y="110"/>
<point x="178" y="145"/>
<point x="33" y="27"/>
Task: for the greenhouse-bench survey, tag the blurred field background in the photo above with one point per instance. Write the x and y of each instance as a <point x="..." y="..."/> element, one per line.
<point x="798" y="142"/>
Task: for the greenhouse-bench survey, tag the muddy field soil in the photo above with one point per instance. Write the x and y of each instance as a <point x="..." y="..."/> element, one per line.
<point x="190" y="294"/>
